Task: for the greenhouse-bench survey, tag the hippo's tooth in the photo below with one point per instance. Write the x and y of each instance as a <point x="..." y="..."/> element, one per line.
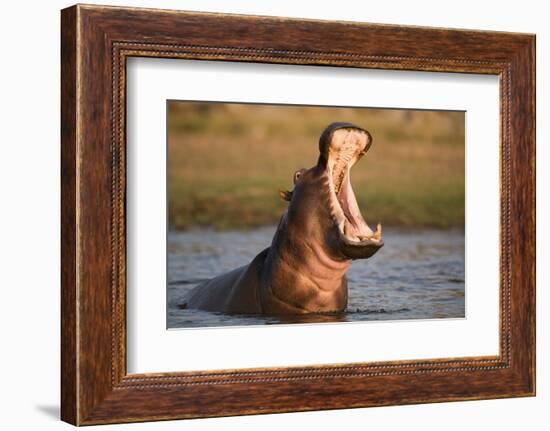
<point x="342" y="226"/>
<point x="350" y="234"/>
<point x="347" y="229"/>
<point x="378" y="233"/>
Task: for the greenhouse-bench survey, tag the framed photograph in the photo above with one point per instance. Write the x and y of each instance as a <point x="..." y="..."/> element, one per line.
<point x="266" y="215"/>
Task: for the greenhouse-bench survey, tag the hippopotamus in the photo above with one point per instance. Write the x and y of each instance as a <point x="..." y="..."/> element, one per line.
<point x="317" y="238"/>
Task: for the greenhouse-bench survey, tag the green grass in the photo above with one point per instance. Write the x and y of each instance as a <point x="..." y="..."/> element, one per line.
<point x="226" y="163"/>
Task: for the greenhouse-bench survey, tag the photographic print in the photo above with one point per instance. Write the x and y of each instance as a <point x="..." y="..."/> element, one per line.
<point x="309" y="214"/>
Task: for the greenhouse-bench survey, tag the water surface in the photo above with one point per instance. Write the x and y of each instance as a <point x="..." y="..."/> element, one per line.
<point x="418" y="274"/>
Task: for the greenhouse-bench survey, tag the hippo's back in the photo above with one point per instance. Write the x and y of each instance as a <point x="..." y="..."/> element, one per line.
<point x="235" y="292"/>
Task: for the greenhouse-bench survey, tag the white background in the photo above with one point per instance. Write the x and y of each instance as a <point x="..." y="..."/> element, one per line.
<point x="29" y="224"/>
<point x="151" y="348"/>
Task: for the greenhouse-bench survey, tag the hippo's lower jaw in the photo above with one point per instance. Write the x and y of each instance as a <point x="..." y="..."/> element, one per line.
<point x="355" y="238"/>
<point x="359" y="249"/>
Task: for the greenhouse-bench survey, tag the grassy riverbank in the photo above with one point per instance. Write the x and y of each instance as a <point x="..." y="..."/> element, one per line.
<point x="227" y="162"/>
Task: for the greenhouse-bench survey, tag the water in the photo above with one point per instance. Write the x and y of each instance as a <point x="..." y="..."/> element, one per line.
<point x="416" y="275"/>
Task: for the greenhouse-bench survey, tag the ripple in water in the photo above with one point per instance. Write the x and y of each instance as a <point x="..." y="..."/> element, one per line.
<point x="416" y="275"/>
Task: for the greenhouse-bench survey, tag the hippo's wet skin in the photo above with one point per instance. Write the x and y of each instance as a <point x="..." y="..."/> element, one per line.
<point x="322" y="231"/>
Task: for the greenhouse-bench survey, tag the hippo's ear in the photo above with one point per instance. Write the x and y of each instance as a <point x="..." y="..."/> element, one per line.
<point x="285" y="195"/>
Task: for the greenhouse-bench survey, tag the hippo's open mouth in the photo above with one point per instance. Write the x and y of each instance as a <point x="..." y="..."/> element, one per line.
<point x="344" y="148"/>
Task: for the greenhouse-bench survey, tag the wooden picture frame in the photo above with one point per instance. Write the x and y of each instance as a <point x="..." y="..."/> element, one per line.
<point x="95" y="43"/>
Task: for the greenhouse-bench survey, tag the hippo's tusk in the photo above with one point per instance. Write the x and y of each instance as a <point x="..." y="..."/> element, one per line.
<point x="378" y="233"/>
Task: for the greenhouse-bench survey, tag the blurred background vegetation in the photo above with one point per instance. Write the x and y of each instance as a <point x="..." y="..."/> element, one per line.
<point x="226" y="163"/>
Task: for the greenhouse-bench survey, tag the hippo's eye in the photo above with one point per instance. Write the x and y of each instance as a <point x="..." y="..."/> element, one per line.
<point x="298" y="175"/>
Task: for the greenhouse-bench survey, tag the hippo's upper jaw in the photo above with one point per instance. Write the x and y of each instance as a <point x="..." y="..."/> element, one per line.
<point x="341" y="146"/>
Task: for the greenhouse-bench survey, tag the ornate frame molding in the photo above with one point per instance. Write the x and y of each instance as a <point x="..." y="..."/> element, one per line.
<point x="96" y="41"/>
